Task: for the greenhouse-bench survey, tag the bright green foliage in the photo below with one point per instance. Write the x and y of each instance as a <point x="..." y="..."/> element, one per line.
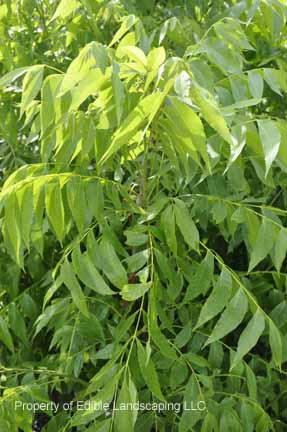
<point x="143" y="213"/>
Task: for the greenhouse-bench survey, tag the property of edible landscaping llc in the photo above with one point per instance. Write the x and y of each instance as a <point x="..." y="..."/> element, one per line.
<point x="105" y="406"/>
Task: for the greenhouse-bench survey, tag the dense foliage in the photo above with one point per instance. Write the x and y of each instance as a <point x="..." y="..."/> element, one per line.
<point x="143" y="208"/>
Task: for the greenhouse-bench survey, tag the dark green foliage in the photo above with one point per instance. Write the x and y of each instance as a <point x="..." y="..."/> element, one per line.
<point x="143" y="215"/>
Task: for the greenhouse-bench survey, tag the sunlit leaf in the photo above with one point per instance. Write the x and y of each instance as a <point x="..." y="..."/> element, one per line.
<point x="231" y="317"/>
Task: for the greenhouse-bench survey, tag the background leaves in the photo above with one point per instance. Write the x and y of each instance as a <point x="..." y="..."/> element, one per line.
<point x="143" y="213"/>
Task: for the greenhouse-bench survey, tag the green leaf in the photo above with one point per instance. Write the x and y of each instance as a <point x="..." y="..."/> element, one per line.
<point x="125" y="416"/>
<point x="137" y="261"/>
<point x="218" y="298"/>
<point x="165" y="266"/>
<point x="231" y="31"/>
<point x="118" y="91"/>
<point x="97" y="202"/>
<point x="25" y="200"/>
<point x="77" y="201"/>
<point x="210" y="423"/>
<point x="132" y="292"/>
<point x="128" y="22"/>
<point x="238" y="143"/>
<point x="256" y="83"/>
<point x="183" y="336"/>
<point x="55" y="208"/>
<point x="192" y="395"/>
<point x="31" y="86"/>
<point x="5" y="425"/>
<point x="178" y="374"/>
<point x="131" y="125"/>
<point x="101" y="54"/>
<point x="49" y="102"/>
<point x="11" y="228"/>
<point x="5" y="335"/>
<point x="111" y="265"/>
<point x="210" y="111"/>
<point x="134" y="53"/>
<point x="231" y="317"/>
<point x="270" y="138"/>
<point x="276" y="80"/>
<point x="168" y="224"/>
<point x="124" y="326"/>
<point x="58" y="307"/>
<point x="282" y="153"/>
<point x="51" y="291"/>
<point x="201" y="279"/>
<point x="161" y="341"/>
<point x="90" y="84"/>
<point x="142" y="115"/>
<point x="148" y="372"/>
<point x="156" y="57"/>
<point x="249" y="337"/>
<point x="79" y="68"/>
<point x="251" y="382"/>
<point x="186" y="225"/>
<point x="263" y="244"/>
<point x="229" y="109"/>
<point x="65" y="8"/>
<point x="275" y="341"/>
<point x="226" y="58"/>
<point x="88" y="273"/>
<point x="69" y="279"/>
<point x="17" y="323"/>
<point x="280" y="249"/>
<point x="135" y="238"/>
<point x="188" y="125"/>
<point x="154" y="209"/>
<point x="13" y="75"/>
<point x="229" y="421"/>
